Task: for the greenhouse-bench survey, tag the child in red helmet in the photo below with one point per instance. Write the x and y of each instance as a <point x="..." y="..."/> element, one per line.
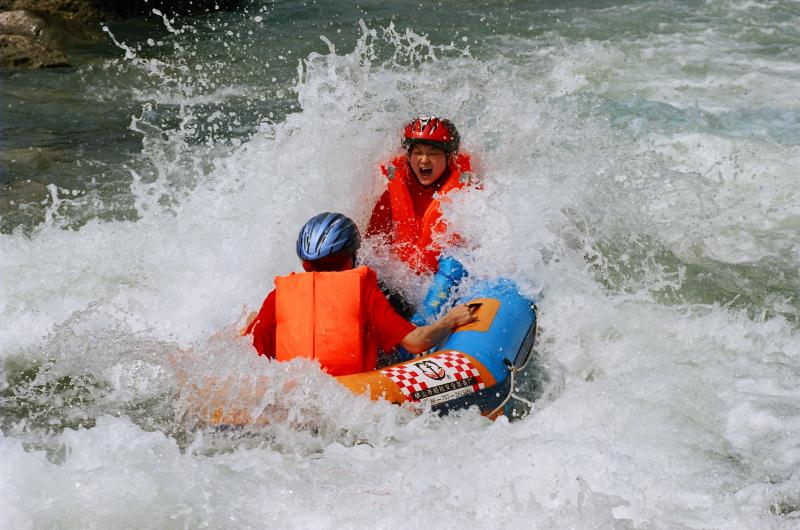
<point x="408" y="214"/>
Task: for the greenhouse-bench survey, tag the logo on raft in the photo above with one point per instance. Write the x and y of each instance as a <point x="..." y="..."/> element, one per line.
<point x="431" y="369"/>
<point x="438" y="378"/>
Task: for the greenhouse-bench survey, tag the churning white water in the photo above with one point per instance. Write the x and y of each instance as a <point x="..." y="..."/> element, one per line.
<point x="640" y="182"/>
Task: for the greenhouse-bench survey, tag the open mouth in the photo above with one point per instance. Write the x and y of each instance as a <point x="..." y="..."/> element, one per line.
<point x="426" y="171"/>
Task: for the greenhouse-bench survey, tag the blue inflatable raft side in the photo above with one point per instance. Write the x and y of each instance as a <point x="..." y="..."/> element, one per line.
<point x="502" y="342"/>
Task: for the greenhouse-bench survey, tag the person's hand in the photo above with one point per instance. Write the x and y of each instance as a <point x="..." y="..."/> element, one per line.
<point x="461" y="315"/>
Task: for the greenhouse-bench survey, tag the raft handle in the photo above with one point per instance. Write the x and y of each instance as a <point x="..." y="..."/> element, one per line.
<point x="512" y="372"/>
<point x="512" y="369"/>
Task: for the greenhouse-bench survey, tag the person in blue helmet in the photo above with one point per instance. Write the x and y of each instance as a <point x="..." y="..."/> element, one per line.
<point x="335" y="312"/>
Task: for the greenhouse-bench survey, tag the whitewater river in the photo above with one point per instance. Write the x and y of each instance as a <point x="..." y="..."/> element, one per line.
<point x="641" y="177"/>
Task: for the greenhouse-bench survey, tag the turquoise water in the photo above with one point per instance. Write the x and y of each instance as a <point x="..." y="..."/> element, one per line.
<point x="640" y="167"/>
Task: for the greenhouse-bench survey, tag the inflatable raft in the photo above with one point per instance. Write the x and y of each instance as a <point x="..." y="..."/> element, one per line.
<point x="475" y="366"/>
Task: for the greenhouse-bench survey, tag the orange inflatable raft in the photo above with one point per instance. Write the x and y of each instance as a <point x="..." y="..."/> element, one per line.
<point x="475" y="366"/>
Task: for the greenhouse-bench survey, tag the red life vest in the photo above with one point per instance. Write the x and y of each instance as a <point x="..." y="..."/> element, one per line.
<point x="321" y="315"/>
<point x="412" y="237"/>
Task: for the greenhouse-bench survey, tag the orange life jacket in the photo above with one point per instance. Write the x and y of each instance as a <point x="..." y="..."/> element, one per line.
<point x="322" y="315"/>
<point x="412" y="237"/>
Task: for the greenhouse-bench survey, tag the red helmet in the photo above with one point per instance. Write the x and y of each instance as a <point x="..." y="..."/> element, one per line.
<point x="431" y="130"/>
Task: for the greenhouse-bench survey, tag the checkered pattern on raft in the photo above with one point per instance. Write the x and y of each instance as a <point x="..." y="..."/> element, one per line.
<point x="411" y="379"/>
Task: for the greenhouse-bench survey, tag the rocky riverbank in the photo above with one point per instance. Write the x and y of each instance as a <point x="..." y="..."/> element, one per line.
<point x="36" y="33"/>
<point x="27" y="40"/>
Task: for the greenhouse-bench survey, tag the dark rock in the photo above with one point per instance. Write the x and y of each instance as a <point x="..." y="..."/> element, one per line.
<point x="20" y="51"/>
<point x="21" y="23"/>
<point x="53" y="29"/>
<point x="29" y="41"/>
<point x="77" y="10"/>
<point x="34" y="33"/>
<point x="100" y="10"/>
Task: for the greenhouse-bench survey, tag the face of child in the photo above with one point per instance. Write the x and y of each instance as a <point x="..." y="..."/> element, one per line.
<point x="427" y="162"/>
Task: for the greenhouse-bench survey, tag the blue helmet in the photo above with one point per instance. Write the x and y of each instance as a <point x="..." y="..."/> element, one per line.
<point x="327" y="234"/>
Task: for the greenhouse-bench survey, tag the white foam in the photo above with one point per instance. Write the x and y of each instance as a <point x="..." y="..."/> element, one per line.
<point x="675" y="411"/>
